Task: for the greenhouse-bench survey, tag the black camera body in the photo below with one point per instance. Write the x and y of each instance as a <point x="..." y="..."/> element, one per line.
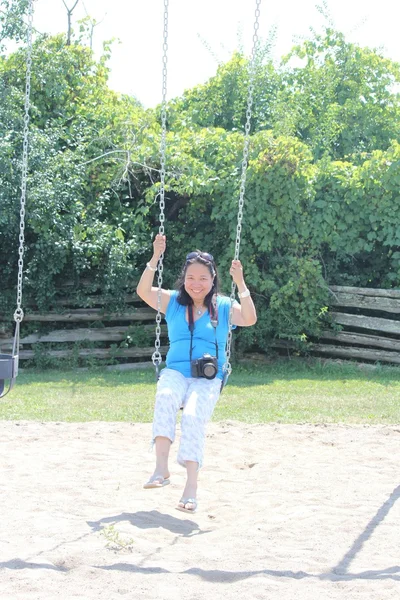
<point x="206" y="366"/>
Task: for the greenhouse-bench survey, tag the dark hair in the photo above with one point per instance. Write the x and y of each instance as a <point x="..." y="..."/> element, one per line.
<point x="203" y="258"/>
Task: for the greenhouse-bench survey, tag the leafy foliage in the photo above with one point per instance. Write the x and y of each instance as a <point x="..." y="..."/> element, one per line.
<point x="74" y="221"/>
<point x="12" y="25"/>
<point x="322" y="203"/>
<point x="340" y="101"/>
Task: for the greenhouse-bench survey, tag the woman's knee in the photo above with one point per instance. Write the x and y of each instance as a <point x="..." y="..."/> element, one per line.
<point x="170" y="391"/>
<point x="166" y="395"/>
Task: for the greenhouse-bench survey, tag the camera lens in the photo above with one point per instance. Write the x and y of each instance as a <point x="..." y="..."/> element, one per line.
<point x="209" y="371"/>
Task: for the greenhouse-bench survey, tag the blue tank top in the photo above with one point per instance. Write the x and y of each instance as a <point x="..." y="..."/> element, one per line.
<point x="178" y="356"/>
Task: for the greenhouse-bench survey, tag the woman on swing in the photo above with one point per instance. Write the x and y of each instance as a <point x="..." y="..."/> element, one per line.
<point x="198" y="324"/>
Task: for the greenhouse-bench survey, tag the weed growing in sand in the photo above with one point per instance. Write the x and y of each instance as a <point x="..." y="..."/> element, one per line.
<point x="115" y="541"/>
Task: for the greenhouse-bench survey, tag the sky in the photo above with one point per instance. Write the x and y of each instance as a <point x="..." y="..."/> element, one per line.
<point x="203" y="33"/>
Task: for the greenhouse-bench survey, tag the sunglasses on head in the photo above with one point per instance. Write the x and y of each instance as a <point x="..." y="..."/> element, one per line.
<point x="204" y="255"/>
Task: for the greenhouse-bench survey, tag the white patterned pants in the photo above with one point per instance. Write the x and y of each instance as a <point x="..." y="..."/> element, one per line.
<point x="198" y="398"/>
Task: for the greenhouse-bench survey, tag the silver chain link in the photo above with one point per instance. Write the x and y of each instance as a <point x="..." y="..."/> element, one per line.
<point x="227" y="368"/>
<point x="156" y="357"/>
<point x="19" y="313"/>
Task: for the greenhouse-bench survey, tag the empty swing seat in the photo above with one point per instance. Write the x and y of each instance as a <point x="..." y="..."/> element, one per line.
<point x="8" y="370"/>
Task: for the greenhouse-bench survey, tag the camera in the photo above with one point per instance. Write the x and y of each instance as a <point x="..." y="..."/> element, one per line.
<point x="206" y="366"/>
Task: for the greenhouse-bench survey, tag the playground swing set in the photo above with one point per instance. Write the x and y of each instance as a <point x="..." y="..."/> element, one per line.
<point x="9" y="362"/>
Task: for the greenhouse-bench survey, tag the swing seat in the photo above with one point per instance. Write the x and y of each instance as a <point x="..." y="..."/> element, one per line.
<point x="8" y="371"/>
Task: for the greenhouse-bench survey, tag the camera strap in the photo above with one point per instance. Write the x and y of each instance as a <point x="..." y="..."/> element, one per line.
<point x="214" y="322"/>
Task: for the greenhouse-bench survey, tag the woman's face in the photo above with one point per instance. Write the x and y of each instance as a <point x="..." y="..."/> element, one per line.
<point x="198" y="282"/>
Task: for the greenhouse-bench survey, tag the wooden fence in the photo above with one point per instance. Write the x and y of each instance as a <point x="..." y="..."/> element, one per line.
<point x="369" y="322"/>
<point x="112" y="337"/>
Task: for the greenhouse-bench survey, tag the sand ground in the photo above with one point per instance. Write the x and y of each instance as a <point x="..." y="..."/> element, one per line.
<point x="286" y="512"/>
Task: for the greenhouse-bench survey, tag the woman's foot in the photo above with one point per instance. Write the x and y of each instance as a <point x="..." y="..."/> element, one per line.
<point x="187" y="505"/>
<point x="188" y="502"/>
<point x="157" y="481"/>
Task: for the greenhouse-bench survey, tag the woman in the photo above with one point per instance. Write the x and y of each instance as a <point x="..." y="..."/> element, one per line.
<point x="198" y="323"/>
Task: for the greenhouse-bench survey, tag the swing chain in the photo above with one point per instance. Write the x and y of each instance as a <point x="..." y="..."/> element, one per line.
<point x="156" y="357"/>
<point x="163" y="120"/>
<point x="19" y="313"/>
<point x="227" y="368"/>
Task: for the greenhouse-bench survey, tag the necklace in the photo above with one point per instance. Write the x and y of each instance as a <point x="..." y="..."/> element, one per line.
<point x="199" y="311"/>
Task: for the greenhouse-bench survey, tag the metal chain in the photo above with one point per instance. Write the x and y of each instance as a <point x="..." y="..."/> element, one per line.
<point x="156" y="357"/>
<point x="19" y="313"/>
<point x="227" y="368"/>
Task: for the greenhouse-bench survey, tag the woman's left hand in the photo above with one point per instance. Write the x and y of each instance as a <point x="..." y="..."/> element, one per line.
<point x="236" y="272"/>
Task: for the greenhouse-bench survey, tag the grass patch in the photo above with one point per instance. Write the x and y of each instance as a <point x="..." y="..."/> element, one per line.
<point x="287" y="392"/>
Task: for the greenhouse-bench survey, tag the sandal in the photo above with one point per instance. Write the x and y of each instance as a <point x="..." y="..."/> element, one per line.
<point x="156" y="482"/>
<point x="185" y="501"/>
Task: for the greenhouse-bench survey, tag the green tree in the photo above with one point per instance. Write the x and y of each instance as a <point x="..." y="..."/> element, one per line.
<point x="341" y="100"/>
<point x="75" y="221"/>
<point x="12" y="26"/>
<point x="222" y="101"/>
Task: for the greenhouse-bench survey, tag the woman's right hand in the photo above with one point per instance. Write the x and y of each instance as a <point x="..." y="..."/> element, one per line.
<point x="159" y="245"/>
<point x="145" y="289"/>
